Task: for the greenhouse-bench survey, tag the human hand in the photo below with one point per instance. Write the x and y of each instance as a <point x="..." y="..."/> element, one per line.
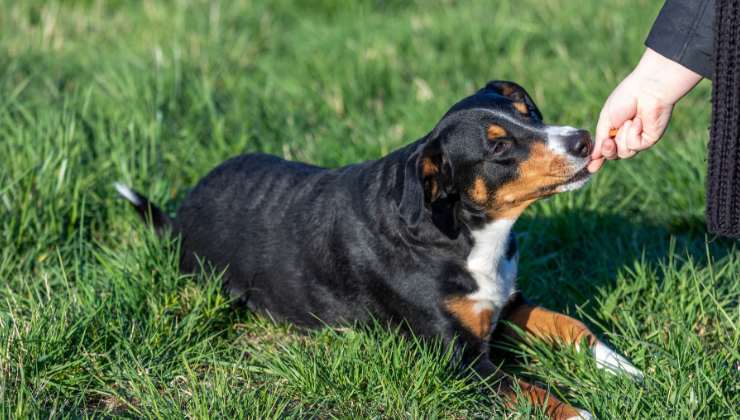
<point x="640" y="108"/>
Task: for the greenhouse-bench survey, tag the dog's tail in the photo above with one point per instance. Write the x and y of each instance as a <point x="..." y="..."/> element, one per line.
<point x="151" y="214"/>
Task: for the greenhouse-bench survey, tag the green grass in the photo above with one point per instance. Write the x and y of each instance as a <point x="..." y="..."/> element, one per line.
<point x="95" y="319"/>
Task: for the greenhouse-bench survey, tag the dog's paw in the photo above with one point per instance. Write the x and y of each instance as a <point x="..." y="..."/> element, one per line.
<point x="611" y="361"/>
<point x="582" y="415"/>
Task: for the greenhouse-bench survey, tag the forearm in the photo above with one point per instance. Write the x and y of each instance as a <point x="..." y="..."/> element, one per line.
<point x="663" y="78"/>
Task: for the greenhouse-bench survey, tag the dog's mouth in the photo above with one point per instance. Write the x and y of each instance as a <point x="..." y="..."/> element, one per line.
<point x="579" y="179"/>
<point x="581" y="175"/>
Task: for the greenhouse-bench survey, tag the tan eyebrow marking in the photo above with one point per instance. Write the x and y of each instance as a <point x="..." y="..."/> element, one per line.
<point x="507" y="90"/>
<point x="495" y="131"/>
<point x="521" y="107"/>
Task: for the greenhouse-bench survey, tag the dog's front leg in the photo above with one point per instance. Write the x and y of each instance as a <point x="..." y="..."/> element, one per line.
<point x="472" y="342"/>
<point x="505" y="386"/>
<point x="562" y="329"/>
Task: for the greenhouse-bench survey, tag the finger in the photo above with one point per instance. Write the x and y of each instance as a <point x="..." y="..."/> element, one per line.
<point x="595" y="165"/>
<point x="609" y="149"/>
<point x="620" y="139"/>
<point x="634" y="136"/>
<point x="654" y="122"/>
<point x="602" y="134"/>
<point x="623" y="151"/>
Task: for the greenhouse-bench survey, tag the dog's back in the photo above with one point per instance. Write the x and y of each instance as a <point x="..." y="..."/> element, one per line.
<point x="292" y="237"/>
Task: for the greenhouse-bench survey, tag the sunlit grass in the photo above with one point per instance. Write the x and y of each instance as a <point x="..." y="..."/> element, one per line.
<point x="96" y="320"/>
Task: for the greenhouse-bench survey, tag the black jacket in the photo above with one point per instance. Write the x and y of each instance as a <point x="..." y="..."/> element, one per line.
<point x="703" y="35"/>
<point x="684" y="32"/>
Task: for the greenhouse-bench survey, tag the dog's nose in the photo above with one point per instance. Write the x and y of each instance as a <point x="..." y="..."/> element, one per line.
<point x="579" y="143"/>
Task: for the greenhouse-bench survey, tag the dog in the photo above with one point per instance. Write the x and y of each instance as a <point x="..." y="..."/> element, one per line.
<point x="420" y="238"/>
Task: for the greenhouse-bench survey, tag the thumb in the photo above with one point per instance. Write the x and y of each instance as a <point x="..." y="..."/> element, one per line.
<point x="601" y="137"/>
<point x="615" y="113"/>
<point x="602" y="133"/>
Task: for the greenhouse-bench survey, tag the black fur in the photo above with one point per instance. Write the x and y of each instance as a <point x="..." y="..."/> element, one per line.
<point x="150" y="213"/>
<point x="381" y="239"/>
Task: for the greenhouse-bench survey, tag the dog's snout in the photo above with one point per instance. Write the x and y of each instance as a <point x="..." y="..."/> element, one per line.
<point x="569" y="141"/>
<point x="580" y="144"/>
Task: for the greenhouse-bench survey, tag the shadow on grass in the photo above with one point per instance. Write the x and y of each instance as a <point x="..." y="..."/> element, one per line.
<point x="567" y="258"/>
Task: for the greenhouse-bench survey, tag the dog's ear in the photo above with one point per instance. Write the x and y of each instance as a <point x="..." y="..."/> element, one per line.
<point x="516" y="93"/>
<point x="427" y="178"/>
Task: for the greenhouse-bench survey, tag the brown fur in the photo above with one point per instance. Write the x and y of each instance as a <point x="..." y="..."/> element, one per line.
<point x="507" y="90"/>
<point x="550" y="326"/>
<point x="478" y="322"/>
<point x="542" y="170"/>
<point x="479" y="192"/>
<point x="495" y="131"/>
<point x="553" y="407"/>
<point x="521" y="108"/>
<point x="509" y="212"/>
<point x="428" y="168"/>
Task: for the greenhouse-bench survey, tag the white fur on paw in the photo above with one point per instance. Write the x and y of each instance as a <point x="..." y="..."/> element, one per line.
<point x="582" y="415"/>
<point x="609" y="360"/>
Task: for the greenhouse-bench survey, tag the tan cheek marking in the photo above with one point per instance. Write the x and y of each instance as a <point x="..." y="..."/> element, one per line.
<point x="495" y="131"/>
<point x="479" y="192"/>
<point x="542" y="169"/>
<point x="521" y="107"/>
<point x="477" y="321"/>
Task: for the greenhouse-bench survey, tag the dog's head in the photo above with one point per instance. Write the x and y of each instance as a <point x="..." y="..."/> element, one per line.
<point x="491" y="156"/>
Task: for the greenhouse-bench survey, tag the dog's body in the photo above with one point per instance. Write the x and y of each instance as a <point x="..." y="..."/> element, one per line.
<point x="421" y="237"/>
<point x="314" y="246"/>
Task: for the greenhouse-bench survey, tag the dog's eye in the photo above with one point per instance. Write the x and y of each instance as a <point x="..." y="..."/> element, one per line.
<point x="499" y="147"/>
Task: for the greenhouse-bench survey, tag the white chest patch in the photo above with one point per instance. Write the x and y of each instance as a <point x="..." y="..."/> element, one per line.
<point x="487" y="263"/>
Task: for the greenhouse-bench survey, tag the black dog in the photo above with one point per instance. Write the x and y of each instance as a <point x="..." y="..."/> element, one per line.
<point x="420" y="237"/>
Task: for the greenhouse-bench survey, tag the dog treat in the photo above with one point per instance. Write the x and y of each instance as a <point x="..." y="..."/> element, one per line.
<point x="613" y="132"/>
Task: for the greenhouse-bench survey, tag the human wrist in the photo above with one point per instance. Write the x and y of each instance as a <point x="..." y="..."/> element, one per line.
<point x="663" y="78"/>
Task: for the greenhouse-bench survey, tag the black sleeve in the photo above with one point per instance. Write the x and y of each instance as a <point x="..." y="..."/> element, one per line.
<point x="684" y="33"/>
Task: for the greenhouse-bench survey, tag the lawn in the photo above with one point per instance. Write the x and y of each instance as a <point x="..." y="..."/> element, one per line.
<point x="95" y="319"/>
